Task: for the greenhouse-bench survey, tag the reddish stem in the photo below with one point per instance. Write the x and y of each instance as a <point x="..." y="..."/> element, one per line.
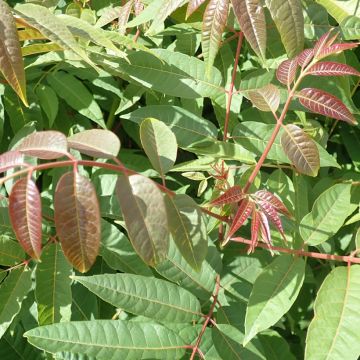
<point x="347" y="259"/>
<point x="232" y="84"/>
<point x="208" y="318"/>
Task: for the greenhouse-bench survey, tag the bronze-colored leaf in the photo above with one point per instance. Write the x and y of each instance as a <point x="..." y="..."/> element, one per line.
<point x="11" y="159"/>
<point x="193" y="6"/>
<point x="301" y="150"/>
<point x="77" y="220"/>
<point x="266" y="98"/>
<point x="44" y="145"/>
<point x="286" y="71"/>
<point x="25" y="215"/>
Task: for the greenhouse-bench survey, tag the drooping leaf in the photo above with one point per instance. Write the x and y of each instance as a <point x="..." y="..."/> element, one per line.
<point x="266" y="98"/>
<point x="272" y="215"/>
<point x="232" y="195"/>
<point x="53" y="286"/>
<point x="96" y="142"/>
<point x="44" y="145"/>
<point x="331" y="68"/>
<point x="305" y="57"/>
<point x="143" y="207"/>
<point x="11" y="61"/>
<point x="333" y="330"/>
<point x="141" y="295"/>
<point x="188" y="228"/>
<point x="12" y="293"/>
<point x="289" y="20"/>
<point x="327" y="215"/>
<point x="76" y="95"/>
<point x="159" y="143"/>
<point x="214" y="22"/>
<point x="301" y="150"/>
<point x="49" y="102"/>
<point x="109" y="339"/>
<point x="286" y="71"/>
<point x="326" y="104"/>
<point x="11" y="159"/>
<point x="243" y="212"/>
<point x="274" y="291"/>
<point x="25" y="215"/>
<point x="193" y="6"/>
<point x="251" y="17"/>
<point x="77" y="220"/>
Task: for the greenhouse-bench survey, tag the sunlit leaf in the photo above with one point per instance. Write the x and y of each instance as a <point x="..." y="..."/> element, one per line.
<point x="154" y="298"/>
<point x="289" y="20"/>
<point x="143" y="207"/>
<point x="25" y="215"/>
<point x="350" y="28"/>
<point x="326" y="104"/>
<point x="11" y="61"/>
<point x="267" y="196"/>
<point x="333" y="330"/>
<point x="96" y="142"/>
<point x="11" y="159"/>
<point x="335" y="49"/>
<point x="286" y="71"/>
<point x="327" y="215"/>
<point x="193" y="6"/>
<point x="159" y="143"/>
<point x="251" y="17"/>
<point x="266" y="98"/>
<point x="301" y="150"/>
<point x="305" y="57"/>
<point x="232" y="195"/>
<point x="242" y="213"/>
<point x="77" y="220"/>
<point x="272" y="215"/>
<point x="214" y="22"/>
<point x="44" y="145"/>
<point x="188" y="228"/>
<point x="331" y="68"/>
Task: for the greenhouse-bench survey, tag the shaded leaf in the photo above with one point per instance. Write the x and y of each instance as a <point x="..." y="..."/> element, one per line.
<point x="274" y="291"/>
<point x="251" y="17"/>
<point x="11" y="253"/>
<point x="243" y="212"/>
<point x="193" y="6"/>
<point x="159" y="143"/>
<point x="44" y="145"/>
<point x="11" y="159"/>
<point x="331" y="68"/>
<point x="53" y="286"/>
<point x="232" y="195"/>
<point x="25" y="215"/>
<point x="188" y="228"/>
<point x="49" y="101"/>
<point x="266" y="98"/>
<point x="96" y="142"/>
<point x="11" y="61"/>
<point x="333" y="330"/>
<point x="301" y="150"/>
<point x="326" y="104"/>
<point x="154" y="298"/>
<point x="350" y="28"/>
<point x="327" y="215"/>
<point x="143" y="207"/>
<point x="289" y="20"/>
<point x="77" y="220"/>
<point x="275" y="346"/>
<point x="287" y="70"/>
<point x="214" y="22"/>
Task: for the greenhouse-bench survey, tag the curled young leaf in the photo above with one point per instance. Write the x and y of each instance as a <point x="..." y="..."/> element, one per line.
<point x="44" y="145"/>
<point x="77" y="220"/>
<point x="11" y="159"/>
<point x="301" y="150"/>
<point x="286" y="71"/>
<point x="272" y="215"/>
<point x="255" y="228"/>
<point x="266" y="98"/>
<point x="25" y="216"/>
<point x="326" y="104"/>
<point x="243" y="212"/>
<point x="96" y="142"/>
<point x="331" y="68"/>
<point x="232" y="195"/>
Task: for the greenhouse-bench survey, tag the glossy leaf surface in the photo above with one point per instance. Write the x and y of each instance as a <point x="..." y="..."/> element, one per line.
<point x="287" y="70"/>
<point x="331" y="68"/>
<point x="266" y="98"/>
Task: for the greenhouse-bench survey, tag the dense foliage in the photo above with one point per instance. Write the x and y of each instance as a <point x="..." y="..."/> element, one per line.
<point x="180" y="179"/>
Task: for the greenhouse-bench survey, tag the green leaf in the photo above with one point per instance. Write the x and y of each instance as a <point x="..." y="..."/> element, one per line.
<point x="333" y="332"/>
<point x="12" y="292"/>
<point x="11" y="61"/>
<point x="274" y="291"/>
<point x="144" y="211"/>
<point x="48" y="101"/>
<point x="76" y="95"/>
<point x="154" y="298"/>
<point x="10" y="251"/>
<point x="52" y="289"/>
<point x="159" y="143"/>
<point x="327" y="215"/>
<point x="188" y="228"/>
<point x="289" y="20"/>
<point x="339" y="10"/>
<point x="118" y="253"/>
<point x="109" y="339"/>
<point x="350" y="28"/>
<point x="275" y="346"/>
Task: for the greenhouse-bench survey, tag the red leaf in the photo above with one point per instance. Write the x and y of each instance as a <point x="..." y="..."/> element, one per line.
<point x="267" y="196"/>
<point x="322" y="43"/>
<point x="326" y="104"/>
<point x="334" y="49"/>
<point x="255" y="225"/>
<point x="305" y="57"/>
<point x="265" y="230"/>
<point x="25" y="216"/>
<point x="286" y="71"/>
<point x="232" y="195"/>
<point x="272" y="214"/>
<point x="193" y="6"/>
<point x="331" y="68"/>
<point x="241" y="215"/>
<point x="11" y="159"/>
<point x="266" y="98"/>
